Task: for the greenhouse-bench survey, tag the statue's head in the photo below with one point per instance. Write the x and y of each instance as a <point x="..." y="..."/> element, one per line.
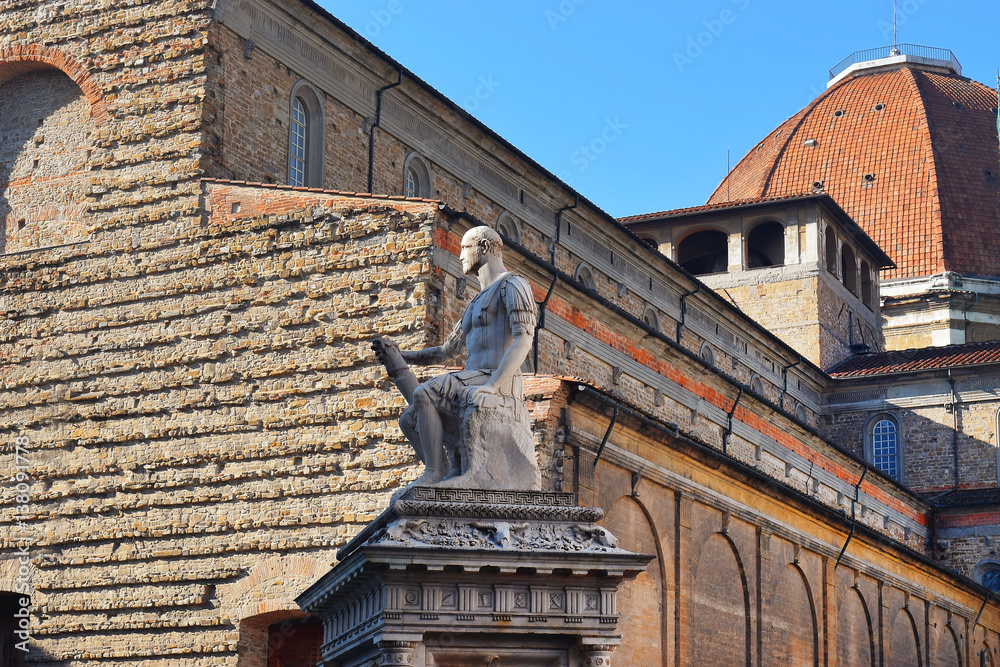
<point x="478" y="245"/>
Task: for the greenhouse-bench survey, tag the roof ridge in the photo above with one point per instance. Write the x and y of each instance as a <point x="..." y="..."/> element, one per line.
<point x="937" y="216"/>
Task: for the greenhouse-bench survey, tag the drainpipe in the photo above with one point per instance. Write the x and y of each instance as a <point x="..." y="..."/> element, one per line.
<point x="548" y="295"/>
<point x="954" y="425"/>
<point x="541" y="322"/>
<point x="784" y="380"/>
<point x="680" y="325"/>
<point x="729" y="427"/>
<point x="965" y="315"/>
<point x="559" y="216"/>
<point x="854" y="520"/>
<point x="375" y="126"/>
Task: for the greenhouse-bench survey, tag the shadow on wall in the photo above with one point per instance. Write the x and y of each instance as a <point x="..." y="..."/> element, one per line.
<point x="46" y="138"/>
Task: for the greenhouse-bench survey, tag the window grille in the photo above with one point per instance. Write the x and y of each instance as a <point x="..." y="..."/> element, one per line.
<point x="297" y="154"/>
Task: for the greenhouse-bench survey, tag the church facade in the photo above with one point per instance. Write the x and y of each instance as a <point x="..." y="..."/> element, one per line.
<point x="208" y="212"/>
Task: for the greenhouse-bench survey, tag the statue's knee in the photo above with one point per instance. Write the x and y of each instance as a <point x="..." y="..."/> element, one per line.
<point x="420" y="397"/>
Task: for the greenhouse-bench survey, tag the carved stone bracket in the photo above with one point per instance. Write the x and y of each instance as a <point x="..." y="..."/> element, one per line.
<point x="596" y="655"/>
<point x="395" y="652"/>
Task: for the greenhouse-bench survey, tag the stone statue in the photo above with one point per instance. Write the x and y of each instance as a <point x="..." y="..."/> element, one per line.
<point x="475" y="417"/>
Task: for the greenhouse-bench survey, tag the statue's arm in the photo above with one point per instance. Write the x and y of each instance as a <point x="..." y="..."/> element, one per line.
<point x="439" y="354"/>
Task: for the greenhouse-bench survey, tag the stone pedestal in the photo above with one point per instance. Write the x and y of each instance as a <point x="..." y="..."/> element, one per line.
<point x="457" y="577"/>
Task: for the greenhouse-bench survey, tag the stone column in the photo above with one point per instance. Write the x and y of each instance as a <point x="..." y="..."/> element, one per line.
<point x="595" y="655"/>
<point x="397" y="652"/>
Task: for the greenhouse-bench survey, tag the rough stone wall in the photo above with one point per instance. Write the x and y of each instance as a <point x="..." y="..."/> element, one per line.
<point x="788" y="308"/>
<point x="212" y="405"/>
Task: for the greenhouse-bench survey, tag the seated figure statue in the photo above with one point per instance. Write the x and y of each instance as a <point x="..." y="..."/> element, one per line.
<point x="470" y="428"/>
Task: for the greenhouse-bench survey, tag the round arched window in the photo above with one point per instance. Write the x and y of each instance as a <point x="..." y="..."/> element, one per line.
<point x="707" y="354"/>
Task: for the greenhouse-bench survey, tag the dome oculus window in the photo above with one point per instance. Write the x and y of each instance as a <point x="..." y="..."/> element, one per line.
<point x="305" y="137"/>
<point x="416" y="177"/>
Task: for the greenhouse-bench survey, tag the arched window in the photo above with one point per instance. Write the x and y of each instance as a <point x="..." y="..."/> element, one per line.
<point x="416" y="177"/>
<point x="801" y="414"/>
<point x="509" y="227"/>
<point x="867" y="286"/>
<point x="704" y="252"/>
<point x="849" y="269"/>
<point x="650" y="318"/>
<point x="766" y="245"/>
<point x="651" y="242"/>
<point x="756" y="385"/>
<point x="882" y="445"/>
<point x="305" y="137"/>
<point x="831" y="250"/>
<point x="707" y="354"/>
<point x="585" y="276"/>
<point x="987" y="573"/>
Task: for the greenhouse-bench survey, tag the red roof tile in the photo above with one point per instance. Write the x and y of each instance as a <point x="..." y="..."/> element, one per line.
<point x="931" y="358"/>
<point x="934" y="203"/>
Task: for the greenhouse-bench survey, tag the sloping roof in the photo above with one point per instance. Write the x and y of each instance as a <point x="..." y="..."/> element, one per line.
<point x="639" y="222"/>
<point x="706" y="208"/>
<point x="934" y="201"/>
<point x="931" y="358"/>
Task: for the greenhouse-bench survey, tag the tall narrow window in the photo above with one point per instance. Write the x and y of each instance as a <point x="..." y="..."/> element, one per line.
<point x="885" y="446"/>
<point x="299" y="152"/>
<point x="849" y="269"/>
<point x="305" y="136"/>
<point x="831" y="250"/>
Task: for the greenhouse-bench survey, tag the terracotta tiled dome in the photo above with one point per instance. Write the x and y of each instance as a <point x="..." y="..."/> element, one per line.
<point x="910" y="154"/>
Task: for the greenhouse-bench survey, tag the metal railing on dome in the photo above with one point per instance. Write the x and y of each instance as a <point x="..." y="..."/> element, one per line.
<point x="897" y="50"/>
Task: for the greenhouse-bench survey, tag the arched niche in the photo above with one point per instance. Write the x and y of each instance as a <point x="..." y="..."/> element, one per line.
<point x="718" y="628"/>
<point x="904" y="642"/>
<point x="46" y="149"/>
<point x="640" y="601"/>
<point x="790" y="626"/>
<point x="855" y="633"/>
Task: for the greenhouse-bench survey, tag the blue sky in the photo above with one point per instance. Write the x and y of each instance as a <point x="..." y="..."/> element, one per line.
<point x="662" y="89"/>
